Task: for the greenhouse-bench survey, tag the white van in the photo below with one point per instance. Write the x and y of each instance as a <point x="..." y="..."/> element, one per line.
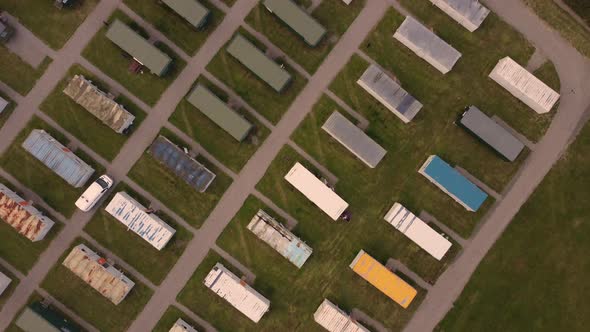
<point x="94" y="193"/>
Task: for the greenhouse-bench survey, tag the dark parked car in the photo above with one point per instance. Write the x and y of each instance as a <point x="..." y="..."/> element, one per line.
<point x="6" y="31"/>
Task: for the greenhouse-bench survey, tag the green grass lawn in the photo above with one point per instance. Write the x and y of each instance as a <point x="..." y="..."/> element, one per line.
<point x="7" y="111"/>
<point x="82" y="299"/>
<point x="18" y="74"/>
<point x="110" y="59"/>
<point x="218" y="142"/>
<point x="548" y="74"/>
<point x="39" y="178"/>
<point x="194" y="207"/>
<point x="8" y="291"/>
<point x="83" y="125"/>
<point x="334" y="15"/>
<point x="537" y="272"/>
<point x="173" y="26"/>
<point x="581" y="7"/>
<point x="264" y="99"/>
<point x="52" y="25"/>
<point x="171" y="315"/>
<point x="130" y="247"/>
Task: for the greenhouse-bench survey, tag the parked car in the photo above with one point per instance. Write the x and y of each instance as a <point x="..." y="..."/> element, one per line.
<point x="6" y="31"/>
<point x="94" y="193"/>
<point x="62" y="3"/>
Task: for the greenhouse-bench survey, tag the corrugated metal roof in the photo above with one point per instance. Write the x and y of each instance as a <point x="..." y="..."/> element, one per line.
<point x="4" y="282"/>
<point x="192" y="11"/>
<point x="191" y="171"/>
<point x="316" y="191"/>
<point x="39" y="317"/>
<point x="379" y="85"/>
<point x="87" y="95"/>
<point x="354" y="139"/>
<point x="279" y="238"/>
<point x="98" y="274"/>
<point x="469" y="13"/>
<point x="147" y="225"/>
<point x="255" y="60"/>
<point x="138" y="47"/>
<point x="182" y="326"/>
<point x="58" y="158"/>
<point x="453" y="183"/>
<point x="427" y="45"/>
<point x="240" y="295"/>
<point x="22" y="216"/>
<point x="216" y="110"/>
<point x="297" y="19"/>
<point x="333" y="319"/>
<point x="524" y="85"/>
<point x="492" y="133"/>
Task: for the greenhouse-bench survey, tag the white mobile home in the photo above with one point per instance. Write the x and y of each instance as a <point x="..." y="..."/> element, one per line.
<point x="4" y="282"/>
<point x="182" y="326"/>
<point x="333" y="319"/>
<point x="469" y="13"/>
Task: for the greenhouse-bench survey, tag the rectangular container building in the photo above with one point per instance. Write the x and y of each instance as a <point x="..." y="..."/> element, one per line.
<point x="354" y="139"/>
<point x="58" y="158"/>
<point x="279" y="238"/>
<point x="99" y="104"/>
<point x="316" y="191"/>
<point x="333" y="319"/>
<point x="138" y="47"/>
<point x="192" y="11"/>
<point x="389" y="93"/>
<point x="98" y="274"/>
<point x="39" y="317"/>
<point x="4" y="282"/>
<point x="427" y="45"/>
<point x="219" y="112"/>
<point x="453" y="183"/>
<point x="235" y="291"/>
<point x="384" y="280"/>
<point x="182" y="326"/>
<point x="22" y="216"/>
<point x="469" y="13"/>
<point x="3" y="104"/>
<point x="297" y="19"/>
<point x="177" y="161"/>
<point x="147" y="225"/>
<point x="524" y="85"/>
<point x="257" y="62"/>
<point x="489" y="131"/>
<point x="418" y="231"/>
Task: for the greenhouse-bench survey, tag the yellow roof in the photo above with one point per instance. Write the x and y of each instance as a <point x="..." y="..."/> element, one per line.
<point x="383" y="279"/>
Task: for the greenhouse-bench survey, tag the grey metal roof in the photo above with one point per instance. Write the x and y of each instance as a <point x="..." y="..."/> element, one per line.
<point x="216" y="110"/>
<point x="354" y="139"/>
<point x="427" y="45"/>
<point x="138" y="47"/>
<point x="379" y="85"/>
<point x="58" y="158"/>
<point x="30" y="321"/>
<point x="296" y="18"/>
<point x="255" y="60"/>
<point x="469" y="13"/>
<point x="191" y="10"/>
<point x="492" y="133"/>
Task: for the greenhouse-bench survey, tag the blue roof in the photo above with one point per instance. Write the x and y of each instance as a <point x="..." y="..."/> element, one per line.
<point x="455" y="184"/>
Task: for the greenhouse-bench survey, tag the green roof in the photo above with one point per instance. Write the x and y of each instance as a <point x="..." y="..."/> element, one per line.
<point x="191" y="10"/>
<point x="255" y="60"/>
<point x="216" y="110"/>
<point x="138" y="47"/>
<point x="39" y="318"/>
<point x="299" y="20"/>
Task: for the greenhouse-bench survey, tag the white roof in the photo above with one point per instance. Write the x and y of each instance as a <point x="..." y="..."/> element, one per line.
<point x="182" y="326"/>
<point x="240" y="295"/>
<point x="469" y="13"/>
<point x="4" y="282"/>
<point x="316" y="191"/>
<point x="418" y="231"/>
<point x="330" y="317"/>
<point x="3" y="104"/>
<point x="524" y="85"/>
<point x="132" y="214"/>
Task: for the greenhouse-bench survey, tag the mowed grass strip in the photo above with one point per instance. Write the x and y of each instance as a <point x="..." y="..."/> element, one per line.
<point x="217" y="141"/>
<point x="18" y="74"/>
<point x="81" y="123"/>
<point x="174" y="26"/>
<point x="264" y="99"/>
<point x="170" y="317"/>
<point x="548" y="74"/>
<point x="8" y="291"/>
<point x="90" y="305"/>
<point x="334" y="15"/>
<point x="580" y="7"/>
<point x="113" y="61"/>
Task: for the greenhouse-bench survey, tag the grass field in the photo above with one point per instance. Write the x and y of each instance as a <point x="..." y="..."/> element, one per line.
<point x="581" y="7"/>
<point x="218" y="142"/>
<point x="111" y="60"/>
<point x="264" y="99"/>
<point x="38" y="15"/>
<point x="333" y="15"/>
<point x="82" y="299"/>
<point x="171" y="315"/>
<point x="173" y="26"/>
<point x="537" y="272"/>
<point x="8" y="291"/>
<point x="83" y="125"/>
<point x="18" y="74"/>
<point x="548" y="74"/>
<point x="7" y="111"/>
<point x="130" y="247"/>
